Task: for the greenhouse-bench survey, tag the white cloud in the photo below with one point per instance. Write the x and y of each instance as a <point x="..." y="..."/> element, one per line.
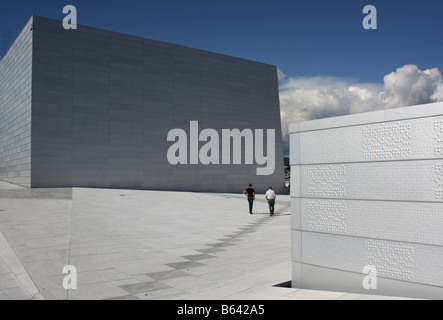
<point x="438" y="94"/>
<point x="308" y="98"/>
<point x="410" y="86"/>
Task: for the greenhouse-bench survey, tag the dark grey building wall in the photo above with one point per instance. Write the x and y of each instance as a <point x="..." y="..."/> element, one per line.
<point x="15" y="110"/>
<point x="103" y="104"/>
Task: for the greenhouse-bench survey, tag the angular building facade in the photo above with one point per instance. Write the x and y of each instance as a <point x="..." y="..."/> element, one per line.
<point x="94" y="108"/>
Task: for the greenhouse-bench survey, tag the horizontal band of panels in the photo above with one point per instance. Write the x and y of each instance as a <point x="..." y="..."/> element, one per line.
<point x="325" y="279"/>
<point x="401" y="181"/>
<point x="389" y="141"/>
<point x="417" y="222"/>
<point x="415" y="263"/>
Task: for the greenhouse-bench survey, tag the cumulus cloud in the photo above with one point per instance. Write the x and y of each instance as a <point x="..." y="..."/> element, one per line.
<point x="409" y="86"/>
<point x="304" y="98"/>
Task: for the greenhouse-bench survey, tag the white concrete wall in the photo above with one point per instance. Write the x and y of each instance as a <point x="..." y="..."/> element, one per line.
<point x="367" y="189"/>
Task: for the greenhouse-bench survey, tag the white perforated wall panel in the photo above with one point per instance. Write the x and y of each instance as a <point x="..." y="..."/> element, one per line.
<point x="369" y="193"/>
<point x="389" y="220"/>
<point x="412" y="262"/>
<point x="420" y="180"/>
<point x="396" y="140"/>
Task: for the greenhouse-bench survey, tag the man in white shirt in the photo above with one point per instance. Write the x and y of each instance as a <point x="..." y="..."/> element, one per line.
<point x="270" y="196"/>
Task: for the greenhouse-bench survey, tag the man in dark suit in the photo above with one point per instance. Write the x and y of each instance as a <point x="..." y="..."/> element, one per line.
<point x="250" y="193"/>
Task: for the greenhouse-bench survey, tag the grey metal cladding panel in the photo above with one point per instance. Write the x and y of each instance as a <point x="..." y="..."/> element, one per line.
<point x="15" y="110"/>
<point x="51" y="179"/>
<point x="154" y="53"/>
<point x="49" y="25"/>
<point x="83" y="34"/>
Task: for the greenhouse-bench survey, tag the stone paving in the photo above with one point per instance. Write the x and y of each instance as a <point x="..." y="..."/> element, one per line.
<point x="136" y="244"/>
<point x="10" y="285"/>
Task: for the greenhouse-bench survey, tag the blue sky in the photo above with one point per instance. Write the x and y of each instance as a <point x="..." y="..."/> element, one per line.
<point x="303" y="38"/>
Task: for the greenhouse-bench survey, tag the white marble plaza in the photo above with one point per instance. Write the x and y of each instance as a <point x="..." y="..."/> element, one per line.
<point x="129" y="244"/>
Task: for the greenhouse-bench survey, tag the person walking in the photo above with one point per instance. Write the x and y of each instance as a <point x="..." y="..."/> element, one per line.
<point x="250" y="193"/>
<point x="270" y="196"/>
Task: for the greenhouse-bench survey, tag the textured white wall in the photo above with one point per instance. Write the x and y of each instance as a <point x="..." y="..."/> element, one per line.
<point x="367" y="190"/>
